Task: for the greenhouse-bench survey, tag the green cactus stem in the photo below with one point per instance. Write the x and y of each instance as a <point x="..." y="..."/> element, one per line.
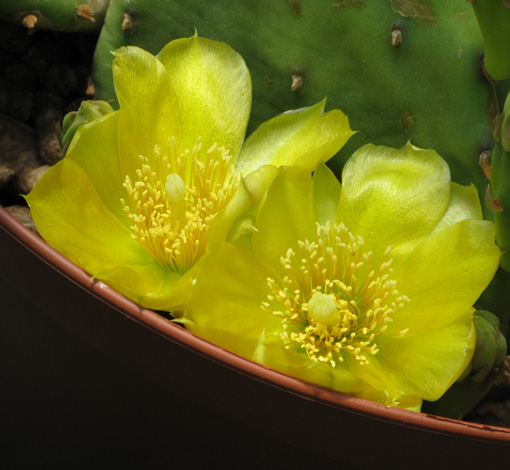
<point x="400" y="70"/>
<point x="498" y="191"/>
<point x="499" y="198"/>
<point x="494" y="20"/>
<point x="58" y="15"/>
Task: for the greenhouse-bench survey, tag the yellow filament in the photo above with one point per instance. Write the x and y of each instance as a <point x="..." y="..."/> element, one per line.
<point x="174" y="198"/>
<point x="335" y="298"/>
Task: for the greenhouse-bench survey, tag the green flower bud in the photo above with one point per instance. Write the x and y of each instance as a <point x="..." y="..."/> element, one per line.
<point x="88" y="111"/>
<point x="490" y="349"/>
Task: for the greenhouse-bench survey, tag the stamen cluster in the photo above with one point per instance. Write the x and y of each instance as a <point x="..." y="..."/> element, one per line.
<point x="335" y="298"/>
<point x="173" y="200"/>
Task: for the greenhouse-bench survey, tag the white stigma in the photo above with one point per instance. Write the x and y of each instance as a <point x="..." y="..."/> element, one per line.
<point x="322" y="308"/>
<point x="175" y="188"/>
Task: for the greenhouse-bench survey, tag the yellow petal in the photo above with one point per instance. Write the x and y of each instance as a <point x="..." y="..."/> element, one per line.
<point x="464" y="204"/>
<point x="364" y="381"/>
<point x="148" y="284"/>
<point x="213" y="90"/>
<point x="271" y="352"/>
<point x="393" y="197"/>
<point x="94" y="149"/>
<point x="305" y="137"/>
<point x="72" y="218"/>
<point x="148" y="107"/>
<point x="226" y="305"/>
<point x="235" y="223"/>
<point x="378" y="385"/>
<point x="427" y="364"/>
<point x="76" y="210"/>
<point x="326" y="194"/>
<point x="445" y="275"/>
<point x="287" y="216"/>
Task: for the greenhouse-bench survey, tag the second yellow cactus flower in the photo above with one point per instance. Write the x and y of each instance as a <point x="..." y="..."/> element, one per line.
<point x="365" y="287"/>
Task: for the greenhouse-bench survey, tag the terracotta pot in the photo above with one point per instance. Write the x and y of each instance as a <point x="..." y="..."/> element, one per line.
<point x="87" y="369"/>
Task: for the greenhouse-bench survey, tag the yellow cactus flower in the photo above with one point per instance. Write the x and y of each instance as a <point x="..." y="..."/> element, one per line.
<point x="365" y="287"/>
<point x="134" y="198"/>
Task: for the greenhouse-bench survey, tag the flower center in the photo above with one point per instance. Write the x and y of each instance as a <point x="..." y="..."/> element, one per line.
<point x="322" y="308"/>
<point x="335" y="298"/>
<point x="173" y="202"/>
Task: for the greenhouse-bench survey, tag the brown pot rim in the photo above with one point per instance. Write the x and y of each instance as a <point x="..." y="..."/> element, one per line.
<point x="186" y="339"/>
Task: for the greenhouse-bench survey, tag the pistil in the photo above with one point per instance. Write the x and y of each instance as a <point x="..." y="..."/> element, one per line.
<point x="335" y="299"/>
<point x="173" y="203"/>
